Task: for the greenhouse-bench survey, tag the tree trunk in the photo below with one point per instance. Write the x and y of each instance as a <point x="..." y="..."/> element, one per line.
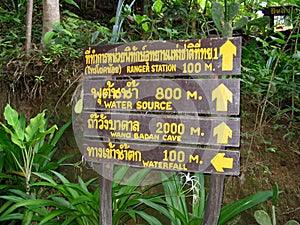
<point x="50" y="15"/>
<point x="28" y="27"/>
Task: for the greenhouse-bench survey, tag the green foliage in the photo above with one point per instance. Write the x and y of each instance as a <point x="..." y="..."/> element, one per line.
<point x="164" y="20"/>
<point x="129" y="200"/>
<point x="224" y="17"/>
<point x="177" y="194"/>
<point x="27" y="148"/>
<point x="177" y="191"/>
<point x="73" y="34"/>
<point x="269" y="75"/>
<point x="58" y="202"/>
<point x="11" y="37"/>
<point x="262" y="217"/>
<point x="228" y="212"/>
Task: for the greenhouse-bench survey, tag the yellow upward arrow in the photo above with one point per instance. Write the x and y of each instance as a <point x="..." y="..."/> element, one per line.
<point x="224" y="132"/>
<point x="222" y="94"/>
<point x="227" y="50"/>
<point x="220" y="162"/>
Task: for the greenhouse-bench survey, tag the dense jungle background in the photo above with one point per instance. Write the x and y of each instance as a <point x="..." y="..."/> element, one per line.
<point x="42" y="177"/>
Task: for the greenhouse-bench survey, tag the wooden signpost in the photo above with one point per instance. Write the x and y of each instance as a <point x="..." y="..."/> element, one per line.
<point x="280" y="17"/>
<point x="205" y="96"/>
<point x="224" y="131"/>
<point x="151" y="104"/>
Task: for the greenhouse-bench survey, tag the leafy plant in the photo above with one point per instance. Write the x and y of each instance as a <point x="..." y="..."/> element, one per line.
<point x="58" y="202"/>
<point x="223" y="17"/>
<point x="130" y="200"/>
<point x="61" y="202"/>
<point x="177" y="195"/>
<point x="177" y="190"/>
<point x="262" y="217"/>
<point x="27" y="148"/>
<point x="73" y="34"/>
<point x="272" y="77"/>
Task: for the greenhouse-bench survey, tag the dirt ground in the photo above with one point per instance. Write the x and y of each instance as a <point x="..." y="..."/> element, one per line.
<point x="269" y="153"/>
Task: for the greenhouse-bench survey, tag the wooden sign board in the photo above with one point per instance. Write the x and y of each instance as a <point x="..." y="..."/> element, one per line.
<point x="162" y="128"/>
<point x="163" y="157"/>
<point x="281" y="17"/>
<point x="280" y="10"/>
<point x="205" y="96"/>
<point x="213" y="56"/>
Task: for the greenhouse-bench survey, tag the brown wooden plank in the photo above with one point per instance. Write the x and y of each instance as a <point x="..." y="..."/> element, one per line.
<point x="214" y="202"/>
<point x="106" y="194"/>
<point x="206" y="96"/>
<point x="222" y="131"/>
<point x="212" y="161"/>
<point x="211" y="56"/>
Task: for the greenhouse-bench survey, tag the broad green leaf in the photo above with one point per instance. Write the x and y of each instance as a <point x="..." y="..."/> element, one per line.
<point x="62" y="202"/>
<point x="46" y="177"/>
<point x="48" y="37"/>
<point x="82" y="184"/>
<point x="138" y="18"/>
<point x="36" y="126"/>
<point x="27" y="219"/>
<point x="157" y="6"/>
<point x="119" y="174"/>
<point x="71" y="2"/>
<point x="136" y="178"/>
<point x="231" y="210"/>
<point x="70" y="219"/>
<point x="157" y="207"/>
<point x="61" y="177"/>
<point x="65" y="31"/>
<point x="218" y="16"/>
<point x="27" y="203"/>
<point x="21" y="194"/>
<point x="233" y="10"/>
<point x="279" y="40"/>
<point x="16" y="140"/>
<point x="22" y="121"/>
<point x="5" y="206"/>
<point x="241" y="23"/>
<point x="12" y="118"/>
<point x="260" y="22"/>
<point x="175" y="198"/>
<point x="145" y="26"/>
<point x="227" y="30"/>
<point x="55" y="214"/>
<point x="11" y="217"/>
<point x="262" y="217"/>
<point x="150" y="219"/>
<point x="132" y="214"/>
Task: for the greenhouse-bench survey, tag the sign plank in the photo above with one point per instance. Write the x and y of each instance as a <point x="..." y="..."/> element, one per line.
<point x="221" y="131"/>
<point x="163" y="157"/>
<point x="211" y="56"/>
<point x="206" y="96"/>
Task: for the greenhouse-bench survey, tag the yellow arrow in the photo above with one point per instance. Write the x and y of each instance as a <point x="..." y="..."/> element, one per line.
<point x="227" y="50"/>
<point x="220" y="162"/>
<point x="224" y="132"/>
<point x="222" y="94"/>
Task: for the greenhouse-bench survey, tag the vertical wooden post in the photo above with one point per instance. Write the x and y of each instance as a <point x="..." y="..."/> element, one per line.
<point x="214" y="202"/>
<point x="106" y="195"/>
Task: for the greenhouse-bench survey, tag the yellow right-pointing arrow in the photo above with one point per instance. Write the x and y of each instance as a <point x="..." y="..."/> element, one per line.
<point x="223" y="132"/>
<point x="220" y="162"/>
<point x="221" y="94"/>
